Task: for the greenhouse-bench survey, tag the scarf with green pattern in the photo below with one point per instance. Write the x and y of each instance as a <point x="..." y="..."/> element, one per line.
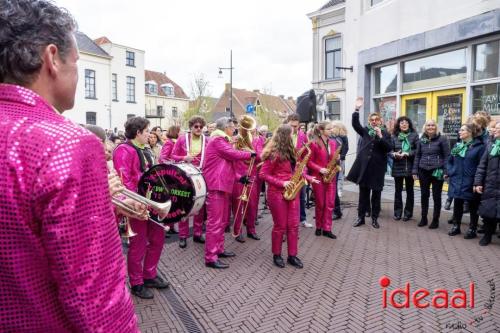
<point x="496" y="148"/>
<point x="405" y="143"/>
<point x="461" y="148"/>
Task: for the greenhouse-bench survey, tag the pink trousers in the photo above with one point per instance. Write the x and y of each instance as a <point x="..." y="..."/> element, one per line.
<point x="217" y="220"/>
<point x="251" y="212"/>
<point x="324" y="195"/>
<point x="197" y="224"/>
<point x="286" y="221"/>
<point x="144" y="251"/>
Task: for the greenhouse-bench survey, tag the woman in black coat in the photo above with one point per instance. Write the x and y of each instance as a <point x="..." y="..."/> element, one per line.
<point x="487" y="182"/>
<point x="404" y="145"/>
<point x="368" y="170"/>
<point x="461" y="166"/>
<point x="430" y="168"/>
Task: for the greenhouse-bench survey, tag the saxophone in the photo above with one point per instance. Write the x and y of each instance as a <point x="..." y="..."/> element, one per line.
<point x="297" y="179"/>
<point x="332" y="167"/>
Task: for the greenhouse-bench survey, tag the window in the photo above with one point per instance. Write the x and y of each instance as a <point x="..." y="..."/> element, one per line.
<point x="439" y="69"/>
<point x="168" y="89"/>
<point x="159" y="110"/>
<point x="90" y="83"/>
<point x="486" y="98"/>
<point x="130" y="115"/>
<point x="386" y="106"/>
<point x="130" y="89"/>
<point x="174" y="112"/>
<point x="386" y="79"/>
<point x="91" y="118"/>
<point x="333" y="112"/>
<point x="151" y="88"/>
<point x="114" y="87"/>
<point x="130" y="58"/>
<point x="375" y="2"/>
<point x="487" y="64"/>
<point x="332" y="58"/>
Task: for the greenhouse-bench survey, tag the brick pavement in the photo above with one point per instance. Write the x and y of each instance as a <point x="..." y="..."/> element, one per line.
<point x="337" y="291"/>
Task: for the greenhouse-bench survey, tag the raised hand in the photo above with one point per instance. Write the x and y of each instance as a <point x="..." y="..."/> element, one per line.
<point x="359" y="103"/>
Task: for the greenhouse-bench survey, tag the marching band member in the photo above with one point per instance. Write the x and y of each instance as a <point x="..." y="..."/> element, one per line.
<point x="130" y="160"/>
<point x="279" y="158"/>
<point x="191" y="148"/>
<point x="245" y="141"/>
<point x="368" y="170"/>
<point x="219" y="176"/>
<point x="322" y="152"/>
<point x="168" y="145"/>
<point x="299" y="140"/>
<point x="62" y="268"/>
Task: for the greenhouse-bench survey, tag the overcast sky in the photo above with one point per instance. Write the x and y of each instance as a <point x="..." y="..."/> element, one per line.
<point x="271" y="39"/>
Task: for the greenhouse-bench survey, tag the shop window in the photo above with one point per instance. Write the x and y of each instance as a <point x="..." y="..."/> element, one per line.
<point x="386" y="106"/>
<point x="386" y="79"/>
<point x="436" y="70"/>
<point x="487" y="64"/>
<point x="333" y="58"/>
<point x="486" y="98"/>
<point x="333" y="112"/>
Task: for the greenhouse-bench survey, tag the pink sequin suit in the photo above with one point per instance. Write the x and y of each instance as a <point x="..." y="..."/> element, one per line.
<point x="180" y="151"/>
<point x="166" y="151"/>
<point x="147" y="245"/>
<point x="219" y="175"/>
<point x="61" y="263"/>
<point x="275" y="172"/>
<point x="324" y="193"/>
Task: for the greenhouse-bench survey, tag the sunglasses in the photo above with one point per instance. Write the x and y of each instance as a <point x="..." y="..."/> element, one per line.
<point x="197" y="126"/>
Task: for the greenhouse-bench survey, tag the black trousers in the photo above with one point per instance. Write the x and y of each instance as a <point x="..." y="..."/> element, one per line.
<point x="426" y="180"/>
<point x="490" y="225"/>
<point x="364" y="201"/>
<point x="458" y="211"/>
<point x="337" y="211"/>
<point x="398" y="196"/>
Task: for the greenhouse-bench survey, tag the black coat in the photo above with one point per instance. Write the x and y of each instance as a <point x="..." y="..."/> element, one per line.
<point x="432" y="155"/>
<point x="370" y="165"/>
<point x="403" y="167"/>
<point x="488" y="176"/>
<point x="462" y="170"/>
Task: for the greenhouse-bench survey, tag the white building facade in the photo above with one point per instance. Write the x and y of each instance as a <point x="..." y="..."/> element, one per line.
<point x="436" y="59"/>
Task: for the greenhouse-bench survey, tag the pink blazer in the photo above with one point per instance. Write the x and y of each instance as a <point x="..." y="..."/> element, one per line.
<point x="319" y="157"/>
<point x="218" y="169"/>
<point x="127" y="165"/>
<point x="301" y="140"/>
<point x="276" y="172"/>
<point x="166" y="151"/>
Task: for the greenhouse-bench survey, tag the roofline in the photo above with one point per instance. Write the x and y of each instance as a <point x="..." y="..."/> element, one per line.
<point x="95" y="55"/>
<point x="125" y="47"/>
<point x="168" y="97"/>
<point x="326" y="10"/>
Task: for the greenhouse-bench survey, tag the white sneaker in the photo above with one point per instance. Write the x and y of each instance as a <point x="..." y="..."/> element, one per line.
<point x="306" y="225"/>
<point x="340" y="193"/>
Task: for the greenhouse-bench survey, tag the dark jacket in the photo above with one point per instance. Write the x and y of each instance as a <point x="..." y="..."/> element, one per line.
<point x="342" y="142"/>
<point x="403" y="167"/>
<point x="432" y="155"/>
<point x="461" y="171"/>
<point x="370" y="165"/>
<point x="488" y="176"/>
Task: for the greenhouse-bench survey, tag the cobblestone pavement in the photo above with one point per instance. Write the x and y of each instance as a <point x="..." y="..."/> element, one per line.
<point x="337" y="291"/>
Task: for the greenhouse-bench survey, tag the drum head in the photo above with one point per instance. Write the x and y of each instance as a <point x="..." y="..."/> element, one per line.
<point x="164" y="182"/>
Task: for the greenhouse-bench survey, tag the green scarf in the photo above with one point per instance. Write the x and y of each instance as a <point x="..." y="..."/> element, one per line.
<point x="438" y="174"/>
<point x="496" y="148"/>
<point x="137" y="144"/>
<point x="405" y="143"/>
<point x="461" y="148"/>
<point x="372" y="132"/>
<point x="219" y="132"/>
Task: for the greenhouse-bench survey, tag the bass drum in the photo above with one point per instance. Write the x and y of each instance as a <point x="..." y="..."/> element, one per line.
<point x="181" y="183"/>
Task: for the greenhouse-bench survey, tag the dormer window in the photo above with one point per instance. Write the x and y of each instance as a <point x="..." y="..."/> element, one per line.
<point x="168" y="89"/>
<point x="151" y="88"/>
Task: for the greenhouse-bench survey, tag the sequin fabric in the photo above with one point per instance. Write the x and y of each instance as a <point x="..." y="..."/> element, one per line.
<point x="61" y="265"/>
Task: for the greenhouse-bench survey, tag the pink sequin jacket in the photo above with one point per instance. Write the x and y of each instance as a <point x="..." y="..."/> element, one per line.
<point x="61" y="263"/>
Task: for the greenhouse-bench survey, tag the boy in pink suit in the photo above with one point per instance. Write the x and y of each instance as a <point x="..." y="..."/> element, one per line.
<point x="322" y="151"/>
<point x="191" y="148"/>
<point x="60" y="252"/>
<point x="130" y="160"/>
<point x="277" y="170"/>
<point x="220" y="176"/>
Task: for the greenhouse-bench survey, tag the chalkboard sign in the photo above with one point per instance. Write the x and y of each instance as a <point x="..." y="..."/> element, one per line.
<point x="450" y="108"/>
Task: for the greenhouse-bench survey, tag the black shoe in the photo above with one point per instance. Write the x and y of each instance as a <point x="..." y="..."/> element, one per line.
<point x="172" y="231"/>
<point x="447" y="204"/>
<point x="216" y="264"/>
<point x="406" y="218"/>
<point x="294" y="261"/>
<point x="485" y="240"/>
<point x="167" y="235"/>
<point x="329" y="234"/>
<point x="142" y="292"/>
<point x="471" y="233"/>
<point x="423" y="222"/>
<point x="278" y="261"/>
<point x="318" y="232"/>
<point x="228" y="229"/>
<point x="253" y="236"/>
<point x="375" y="223"/>
<point x="359" y="222"/>
<point x="480" y="230"/>
<point x="240" y="239"/>
<point x="434" y="224"/>
<point x="182" y="243"/>
<point x="451" y="221"/>
<point x="199" y="239"/>
<point x="157" y="283"/>
<point x="227" y="254"/>
<point x="455" y="230"/>
<point x="397" y="217"/>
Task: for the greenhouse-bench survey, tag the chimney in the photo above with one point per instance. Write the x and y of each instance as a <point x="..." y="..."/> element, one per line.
<point x="282" y="96"/>
<point x="290" y="98"/>
<point x="256" y="91"/>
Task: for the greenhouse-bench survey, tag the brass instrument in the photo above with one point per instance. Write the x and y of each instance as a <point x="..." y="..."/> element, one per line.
<point x="297" y="179"/>
<point x="333" y="167"/>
